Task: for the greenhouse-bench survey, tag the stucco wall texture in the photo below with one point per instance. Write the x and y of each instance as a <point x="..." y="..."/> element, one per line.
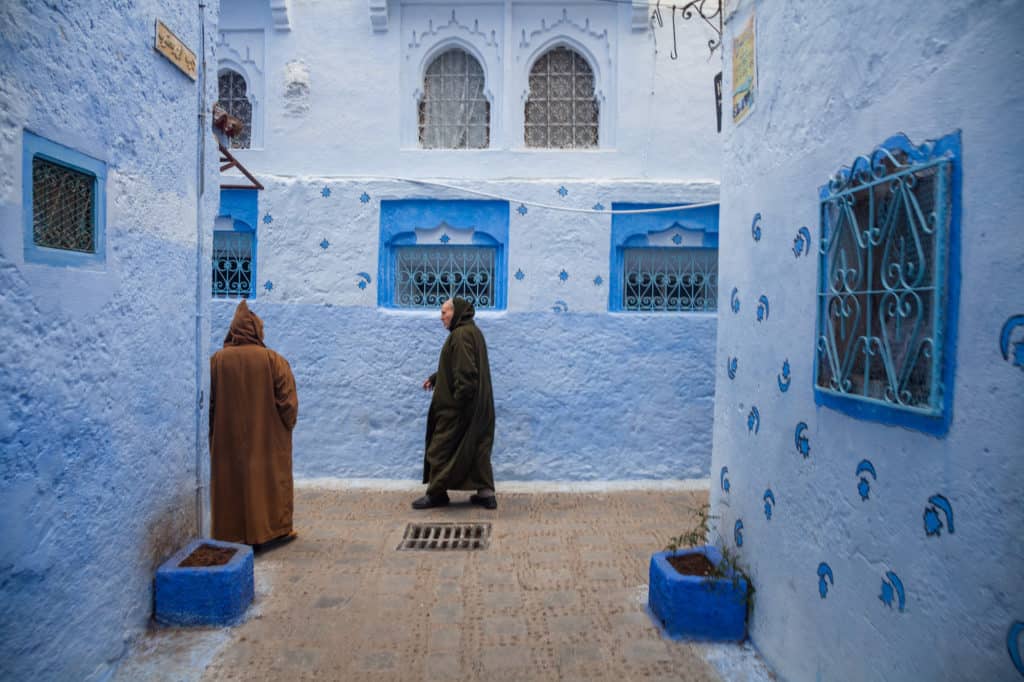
<point x="836" y="80"/>
<point x="97" y="365"/>
<point x="580" y="395"/>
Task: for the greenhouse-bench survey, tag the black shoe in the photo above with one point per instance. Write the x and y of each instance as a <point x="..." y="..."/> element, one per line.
<point x="489" y="502"/>
<point x="430" y="501"/>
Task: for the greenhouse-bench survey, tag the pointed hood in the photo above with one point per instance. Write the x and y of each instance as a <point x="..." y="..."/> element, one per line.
<point x="462" y="313"/>
<point x="246" y="328"/>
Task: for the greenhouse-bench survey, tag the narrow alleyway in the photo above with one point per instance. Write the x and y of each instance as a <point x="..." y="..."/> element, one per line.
<point x="560" y="594"/>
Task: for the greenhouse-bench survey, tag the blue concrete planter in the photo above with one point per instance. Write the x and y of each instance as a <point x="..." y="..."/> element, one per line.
<point x="204" y="595"/>
<point x="694" y="607"/>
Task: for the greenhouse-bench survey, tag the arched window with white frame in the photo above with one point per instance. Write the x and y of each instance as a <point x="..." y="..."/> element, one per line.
<point x="233" y="96"/>
<point x="454" y="112"/>
<point x="561" y="110"/>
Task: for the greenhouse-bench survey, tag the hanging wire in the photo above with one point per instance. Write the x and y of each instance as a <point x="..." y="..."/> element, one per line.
<point x="675" y="48"/>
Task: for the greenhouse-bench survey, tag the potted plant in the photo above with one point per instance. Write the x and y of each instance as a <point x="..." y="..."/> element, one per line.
<point x="207" y="582"/>
<point x="697" y="590"/>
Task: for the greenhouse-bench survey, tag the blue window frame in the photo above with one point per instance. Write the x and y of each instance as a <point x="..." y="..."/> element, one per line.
<point x="888" y="285"/>
<point x="432" y="250"/>
<point x="234" y="245"/>
<point x="665" y="261"/>
<point x="64" y="204"/>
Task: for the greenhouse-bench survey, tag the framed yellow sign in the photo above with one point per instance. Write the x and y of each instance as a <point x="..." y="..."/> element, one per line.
<point x="170" y="46"/>
<point x="744" y="71"/>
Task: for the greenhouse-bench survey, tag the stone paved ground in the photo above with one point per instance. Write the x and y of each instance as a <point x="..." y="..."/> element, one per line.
<point x="559" y="595"/>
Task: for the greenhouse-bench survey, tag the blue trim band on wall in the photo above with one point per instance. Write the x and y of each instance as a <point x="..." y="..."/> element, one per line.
<point x="403" y="221"/>
<point x="948" y="147"/>
<point x="34" y="145"/>
<point x="639" y="229"/>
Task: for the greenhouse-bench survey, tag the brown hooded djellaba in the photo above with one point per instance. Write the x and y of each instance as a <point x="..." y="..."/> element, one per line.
<point x="460" y="425"/>
<point x="253" y="408"/>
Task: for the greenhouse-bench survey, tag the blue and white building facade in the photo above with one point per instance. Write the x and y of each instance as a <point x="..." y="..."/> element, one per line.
<point x="492" y="150"/>
<point x="867" y="442"/>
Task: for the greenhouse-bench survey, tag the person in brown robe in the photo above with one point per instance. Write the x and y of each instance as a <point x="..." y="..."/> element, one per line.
<point x="460" y="424"/>
<point x="253" y="408"/>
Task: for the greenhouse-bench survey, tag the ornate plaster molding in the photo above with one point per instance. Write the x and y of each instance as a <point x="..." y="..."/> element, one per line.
<point x="379" y="15"/>
<point x="279" y="13"/>
<point x="453" y="25"/>
<point x="560" y="26"/>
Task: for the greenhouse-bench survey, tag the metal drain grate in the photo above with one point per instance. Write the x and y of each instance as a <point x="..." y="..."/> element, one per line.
<point x="446" y="536"/>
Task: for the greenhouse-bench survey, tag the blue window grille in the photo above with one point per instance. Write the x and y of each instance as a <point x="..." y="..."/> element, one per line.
<point x="233" y="264"/>
<point x="427" y="276"/>
<point x="887" y="288"/>
<point x="64" y="199"/>
<point x="433" y="250"/>
<point x="665" y="261"/>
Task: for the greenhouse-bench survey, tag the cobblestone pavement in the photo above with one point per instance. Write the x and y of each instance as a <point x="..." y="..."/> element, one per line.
<point x="560" y="594"/>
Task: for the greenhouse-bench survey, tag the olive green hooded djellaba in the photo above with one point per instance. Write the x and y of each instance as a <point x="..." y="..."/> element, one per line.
<point x="460" y="425"/>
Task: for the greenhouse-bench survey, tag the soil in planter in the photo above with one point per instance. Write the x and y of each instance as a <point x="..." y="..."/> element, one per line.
<point x="208" y="555"/>
<point x="692" y="564"/>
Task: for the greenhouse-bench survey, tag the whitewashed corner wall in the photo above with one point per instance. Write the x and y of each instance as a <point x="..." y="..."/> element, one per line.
<point x="828" y="545"/>
<point x="98" y="364"/>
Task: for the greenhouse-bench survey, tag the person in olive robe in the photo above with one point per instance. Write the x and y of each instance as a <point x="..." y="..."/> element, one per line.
<point x="253" y="408"/>
<point x="460" y="424"/>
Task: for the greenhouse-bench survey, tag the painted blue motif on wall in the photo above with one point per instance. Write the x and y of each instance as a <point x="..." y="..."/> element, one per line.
<point x="755" y="227"/>
<point x="325" y="192"/>
<point x="754" y="420"/>
<point x="737" y="532"/>
<point x="723" y="479"/>
<point x="802" y="242"/>
<point x="734" y="301"/>
<point x="364" y="198"/>
<point x="933" y="523"/>
<point x="784" y="378"/>
<point x="364" y="279"/>
<point x="762" y="308"/>
<point x="769" y="504"/>
<point x="268" y="285"/>
<point x="445" y="238"/>
<point x="730" y="367"/>
<point x="825" y="579"/>
<point x="324" y="244"/>
<point x="803" y="445"/>
<point x="560" y="306"/>
<point x="562" y="191"/>
<point x="677" y="239"/>
<point x="267" y="219"/>
<point x="563" y="275"/>
<point x="522" y="209"/>
<point x="864" y="485"/>
<point x="1016" y="356"/>
<point x="519" y="275"/>
<point x="598" y="281"/>
<point x="892" y="588"/>
<point x="1013" y="645"/>
<point x="599" y="206"/>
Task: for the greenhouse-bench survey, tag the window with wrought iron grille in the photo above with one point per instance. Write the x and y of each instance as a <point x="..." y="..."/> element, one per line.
<point x="234" y="263"/>
<point x="886" y="301"/>
<point x="670" y="280"/>
<point x="561" y="109"/>
<point x="454" y="113"/>
<point x="664" y="258"/>
<point x="64" y="204"/>
<point x="432" y="250"/>
<point x="427" y="276"/>
<point x="233" y="97"/>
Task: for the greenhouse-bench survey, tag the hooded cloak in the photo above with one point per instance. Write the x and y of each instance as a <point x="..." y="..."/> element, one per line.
<point x="460" y="425"/>
<point x="253" y="408"/>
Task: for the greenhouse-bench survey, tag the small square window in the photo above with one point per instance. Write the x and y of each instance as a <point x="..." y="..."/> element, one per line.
<point x="64" y="197"/>
<point x="886" y="301"/>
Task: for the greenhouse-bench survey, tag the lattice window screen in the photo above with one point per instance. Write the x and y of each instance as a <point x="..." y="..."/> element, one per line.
<point x="62" y="207"/>
<point x="561" y="111"/>
<point x="453" y="112"/>
<point x="232" y="97"/>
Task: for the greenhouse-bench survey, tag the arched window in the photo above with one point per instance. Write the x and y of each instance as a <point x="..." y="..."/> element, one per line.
<point x="453" y="113"/>
<point x="561" y="111"/>
<point x="232" y="97"/>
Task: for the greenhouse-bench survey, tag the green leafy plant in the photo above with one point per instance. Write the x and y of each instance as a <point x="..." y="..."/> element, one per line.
<point x="728" y="568"/>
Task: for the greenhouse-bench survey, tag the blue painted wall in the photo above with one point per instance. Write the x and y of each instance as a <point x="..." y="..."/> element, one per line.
<point x="98" y="375"/>
<point x="885" y="551"/>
